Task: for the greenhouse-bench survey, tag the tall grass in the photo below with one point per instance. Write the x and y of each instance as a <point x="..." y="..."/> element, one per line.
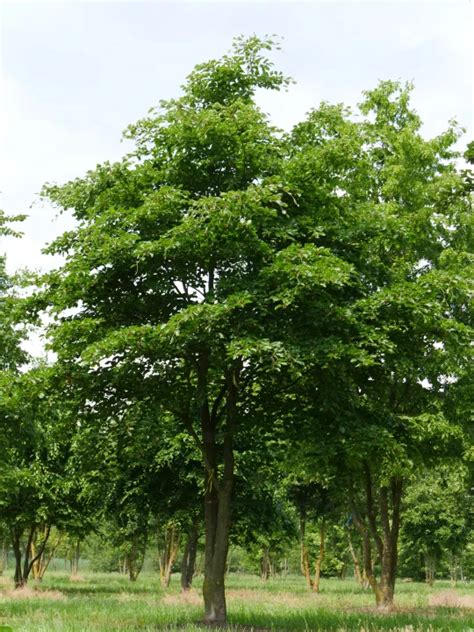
<point x="106" y="602"/>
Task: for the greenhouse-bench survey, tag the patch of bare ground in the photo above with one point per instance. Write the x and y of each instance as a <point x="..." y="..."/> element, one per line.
<point x="31" y="593"/>
<point x="451" y="599"/>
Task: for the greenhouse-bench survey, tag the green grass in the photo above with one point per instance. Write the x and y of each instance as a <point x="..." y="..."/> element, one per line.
<point x="106" y="602"/>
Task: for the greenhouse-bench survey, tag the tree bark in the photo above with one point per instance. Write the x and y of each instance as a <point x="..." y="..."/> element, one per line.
<point x="16" y="545"/>
<point x="384" y="530"/>
<point x="218" y="493"/>
<point x="430" y="568"/>
<point x="453" y="569"/>
<point x="319" y="560"/>
<point x="188" y="563"/>
<point x="265" y="564"/>
<point x="355" y="560"/>
<point x="168" y="554"/>
<point x="304" y="555"/>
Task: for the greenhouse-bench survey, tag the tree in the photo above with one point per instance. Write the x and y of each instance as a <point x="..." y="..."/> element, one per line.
<point x="437" y="517"/>
<point x="395" y="207"/>
<point x="165" y="275"/>
<point x="222" y="266"/>
<point x="36" y="491"/>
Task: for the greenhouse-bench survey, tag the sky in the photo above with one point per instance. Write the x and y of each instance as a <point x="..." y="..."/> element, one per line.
<point x="73" y="75"/>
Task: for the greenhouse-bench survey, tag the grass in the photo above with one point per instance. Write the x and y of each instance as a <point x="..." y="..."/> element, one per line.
<point x="106" y="602"/>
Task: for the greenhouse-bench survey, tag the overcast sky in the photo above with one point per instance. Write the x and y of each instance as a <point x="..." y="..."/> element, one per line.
<point x="75" y="74"/>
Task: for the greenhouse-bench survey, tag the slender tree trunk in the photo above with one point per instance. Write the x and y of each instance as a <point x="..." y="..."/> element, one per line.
<point x="453" y="569"/>
<point x="16" y="545"/>
<point x="188" y="564"/>
<point x="76" y="554"/>
<point x="4" y="557"/>
<point x="355" y="560"/>
<point x="390" y="530"/>
<point x="430" y="567"/>
<point x="384" y="535"/>
<point x="319" y="560"/>
<point x="168" y="554"/>
<point x="218" y="494"/>
<point x="265" y="564"/>
<point x="34" y="554"/>
<point x="27" y="565"/>
<point x="217" y="522"/>
<point x="304" y="555"/>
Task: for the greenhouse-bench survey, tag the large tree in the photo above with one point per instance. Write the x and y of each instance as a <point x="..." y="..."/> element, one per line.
<point x="395" y="206"/>
<point x="230" y="277"/>
<point x="166" y="291"/>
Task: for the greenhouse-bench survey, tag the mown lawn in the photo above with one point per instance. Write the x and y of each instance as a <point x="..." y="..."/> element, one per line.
<point x="106" y="602"/>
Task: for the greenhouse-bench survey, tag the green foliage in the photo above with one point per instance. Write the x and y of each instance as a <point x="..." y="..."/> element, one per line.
<point x="233" y="297"/>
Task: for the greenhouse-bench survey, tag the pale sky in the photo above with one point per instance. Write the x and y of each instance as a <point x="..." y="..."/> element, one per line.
<point x="75" y="74"/>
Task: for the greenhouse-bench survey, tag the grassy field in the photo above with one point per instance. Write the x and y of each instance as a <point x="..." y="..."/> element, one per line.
<point x="100" y="602"/>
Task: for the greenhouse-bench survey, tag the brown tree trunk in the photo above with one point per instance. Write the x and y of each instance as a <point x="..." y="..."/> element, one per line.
<point x="319" y="560"/>
<point x="430" y="566"/>
<point x="265" y="565"/>
<point x="217" y="521"/>
<point x="41" y="560"/>
<point x="304" y="555"/>
<point x="355" y="560"/>
<point x="188" y="564"/>
<point x="168" y="554"/>
<point x="385" y="535"/>
<point x="76" y="554"/>
<point x="390" y="530"/>
<point x="218" y="494"/>
<point x="4" y="557"/>
<point x="453" y="569"/>
<point x="27" y="564"/>
<point x="384" y="532"/>
<point x="16" y="545"/>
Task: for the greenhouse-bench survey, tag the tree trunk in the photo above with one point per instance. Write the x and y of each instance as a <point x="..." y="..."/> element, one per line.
<point x="384" y="533"/>
<point x="218" y="494"/>
<point x="304" y="555"/>
<point x="189" y="558"/>
<point x="265" y="564"/>
<point x="217" y="522"/>
<point x="389" y="556"/>
<point x="4" y="556"/>
<point x="16" y="545"/>
<point x="168" y="554"/>
<point x="355" y="559"/>
<point x="453" y="569"/>
<point x="319" y="560"/>
<point x="76" y="554"/>
<point x="430" y="567"/>
<point x="27" y="564"/>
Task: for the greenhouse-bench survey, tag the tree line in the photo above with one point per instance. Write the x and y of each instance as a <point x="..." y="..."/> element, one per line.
<point x="253" y="329"/>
